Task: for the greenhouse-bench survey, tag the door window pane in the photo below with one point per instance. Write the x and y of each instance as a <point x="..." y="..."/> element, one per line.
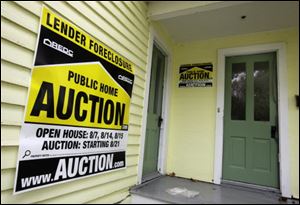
<point x="238" y="91"/>
<point x="261" y="91"/>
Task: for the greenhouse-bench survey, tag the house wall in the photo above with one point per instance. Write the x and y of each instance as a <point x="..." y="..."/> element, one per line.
<point x="122" y="26"/>
<point x="191" y="138"/>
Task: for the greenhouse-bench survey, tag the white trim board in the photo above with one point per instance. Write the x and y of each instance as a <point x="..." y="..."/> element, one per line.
<point x="161" y="164"/>
<point x="144" y="118"/>
<point x="160" y="10"/>
<point x="280" y="49"/>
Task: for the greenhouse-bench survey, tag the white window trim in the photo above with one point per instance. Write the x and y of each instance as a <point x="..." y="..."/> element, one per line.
<point x="280" y="49"/>
<point x="161" y="164"/>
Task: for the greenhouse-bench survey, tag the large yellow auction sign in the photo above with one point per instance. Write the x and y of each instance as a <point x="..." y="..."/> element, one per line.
<point x="77" y="114"/>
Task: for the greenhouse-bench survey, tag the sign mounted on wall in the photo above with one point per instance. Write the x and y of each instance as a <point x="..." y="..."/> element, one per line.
<point x="196" y="75"/>
<point x="77" y="114"/>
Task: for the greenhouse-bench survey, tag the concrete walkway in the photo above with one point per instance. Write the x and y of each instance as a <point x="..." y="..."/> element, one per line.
<point x="162" y="188"/>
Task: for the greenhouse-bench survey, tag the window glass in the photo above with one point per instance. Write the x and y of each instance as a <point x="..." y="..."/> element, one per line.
<point x="261" y="91"/>
<point x="238" y="91"/>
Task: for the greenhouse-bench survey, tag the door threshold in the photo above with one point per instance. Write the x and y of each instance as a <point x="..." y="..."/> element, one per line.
<point x="251" y="186"/>
<point x="150" y="177"/>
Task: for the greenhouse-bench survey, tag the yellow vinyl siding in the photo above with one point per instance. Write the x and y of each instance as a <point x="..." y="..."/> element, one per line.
<point x="124" y="20"/>
<point x="122" y="194"/>
<point x="14" y="74"/>
<point x="122" y="26"/>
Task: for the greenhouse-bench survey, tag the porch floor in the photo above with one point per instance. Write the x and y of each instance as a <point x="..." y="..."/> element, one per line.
<point x="156" y="191"/>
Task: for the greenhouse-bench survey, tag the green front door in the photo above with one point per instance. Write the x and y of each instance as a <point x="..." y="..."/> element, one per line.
<point x="250" y="146"/>
<point x="154" y="114"/>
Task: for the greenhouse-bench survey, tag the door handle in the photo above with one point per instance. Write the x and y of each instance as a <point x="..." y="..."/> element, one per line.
<point x="273" y="132"/>
<point x="159" y="121"/>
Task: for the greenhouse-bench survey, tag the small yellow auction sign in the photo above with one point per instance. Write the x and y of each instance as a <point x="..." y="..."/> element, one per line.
<point x="195" y="75"/>
<point x="77" y="114"/>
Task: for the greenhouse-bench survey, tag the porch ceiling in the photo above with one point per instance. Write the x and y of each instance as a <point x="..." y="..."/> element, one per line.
<point x="218" y="19"/>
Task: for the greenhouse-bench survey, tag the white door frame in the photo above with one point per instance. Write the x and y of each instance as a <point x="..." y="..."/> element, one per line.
<point x="280" y="49"/>
<point x="162" y="152"/>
